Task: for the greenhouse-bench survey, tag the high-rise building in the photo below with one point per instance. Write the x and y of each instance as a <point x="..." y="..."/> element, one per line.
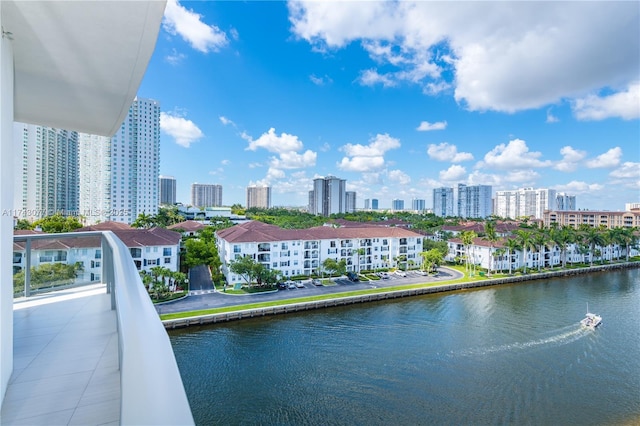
<point x="129" y="186"/>
<point x="397" y="204"/>
<point x="418" y="205"/>
<point x="95" y="177"/>
<point x="374" y="204"/>
<point x="474" y="201"/>
<point x="206" y="195"/>
<point x="530" y="202"/>
<point x="258" y="196"/>
<point x="367" y="203"/>
<point x="46" y="178"/>
<point x="328" y="196"/>
<point x="350" y="206"/>
<point x="565" y="202"/>
<point x="167" y="187"/>
<point x="443" y="202"/>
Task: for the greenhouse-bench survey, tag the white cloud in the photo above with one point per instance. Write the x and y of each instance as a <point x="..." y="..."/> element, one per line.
<point x="361" y="164"/>
<point x="399" y="177"/>
<point x="187" y="23"/>
<point x="274" y="143"/>
<point x="293" y="160"/>
<point x="610" y="158"/>
<point x="378" y="145"/>
<point x="225" y="162"/>
<point x="372" y="77"/>
<point x="224" y="120"/>
<point x="453" y="173"/>
<point x="425" y="126"/>
<point x="446" y="152"/>
<point x="625" y="105"/>
<point x="514" y="155"/>
<point x="367" y="158"/>
<point x="184" y="131"/>
<point x="551" y="118"/>
<point x="520" y="55"/>
<point x="570" y="159"/>
<point x="320" y="81"/>
<point x="628" y="170"/>
<point x="175" y="57"/>
<point x="577" y="187"/>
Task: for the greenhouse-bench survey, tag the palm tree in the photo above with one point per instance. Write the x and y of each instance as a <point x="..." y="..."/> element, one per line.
<point x="512" y="246"/>
<point x="526" y="242"/>
<point x="492" y="237"/>
<point x="467" y="238"/>
<point x="358" y="252"/>
<point x="562" y="237"/>
<point x="499" y="253"/>
<point x="540" y="239"/>
<point x="593" y="237"/>
<point x="627" y="238"/>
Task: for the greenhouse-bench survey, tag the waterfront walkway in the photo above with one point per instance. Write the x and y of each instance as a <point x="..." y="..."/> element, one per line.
<point x="65" y="360"/>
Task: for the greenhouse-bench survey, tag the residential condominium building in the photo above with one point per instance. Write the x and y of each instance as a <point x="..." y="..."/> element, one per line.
<point x="206" y="195"/>
<point x="530" y="202"/>
<point x="119" y="175"/>
<point x="46" y="172"/>
<point x="607" y="219"/>
<point x="474" y="201"/>
<point x="397" y="204"/>
<point x="350" y="197"/>
<point x="418" y="205"/>
<point x="167" y="189"/>
<point x="296" y="252"/>
<point x="259" y="196"/>
<point x="443" y="202"/>
<point x="328" y="196"/>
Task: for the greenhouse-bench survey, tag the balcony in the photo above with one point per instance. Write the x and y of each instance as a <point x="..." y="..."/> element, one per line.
<point x="92" y="353"/>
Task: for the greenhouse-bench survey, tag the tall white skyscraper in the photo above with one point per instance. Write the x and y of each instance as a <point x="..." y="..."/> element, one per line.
<point x="530" y="202"/>
<point x="206" y="195"/>
<point x="95" y="177"/>
<point x="350" y="205"/>
<point x="167" y="188"/>
<point x="46" y="178"/>
<point x="121" y="180"/>
<point x="259" y="196"/>
<point x="397" y="204"/>
<point x="474" y="201"/>
<point x="418" y="205"/>
<point x="443" y="202"/>
<point x="328" y="196"/>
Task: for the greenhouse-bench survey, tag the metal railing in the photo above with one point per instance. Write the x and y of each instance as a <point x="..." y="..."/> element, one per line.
<point x="151" y="387"/>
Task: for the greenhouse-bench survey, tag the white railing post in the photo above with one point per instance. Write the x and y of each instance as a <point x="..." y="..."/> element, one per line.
<point x="27" y="271"/>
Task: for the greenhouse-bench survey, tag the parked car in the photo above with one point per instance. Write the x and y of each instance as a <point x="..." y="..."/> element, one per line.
<point x="421" y="273"/>
<point x="299" y="284"/>
<point x="384" y="275"/>
<point x="282" y="286"/>
<point x="291" y="285"/>
<point x="401" y="273"/>
<point x="352" y="276"/>
<point x="317" y="282"/>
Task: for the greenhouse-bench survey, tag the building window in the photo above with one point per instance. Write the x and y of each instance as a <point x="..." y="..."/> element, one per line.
<point x="166" y="251"/>
<point x="167" y="260"/>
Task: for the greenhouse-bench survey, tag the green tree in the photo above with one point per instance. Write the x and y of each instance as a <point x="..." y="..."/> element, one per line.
<point x="593" y="237"/>
<point x="562" y="237"/>
<point x="57" y="223"/>
<point x="540" y="240"/>
<point x="237" y="209"/>
<point x="22" y="225"/>
<point x="167" y="216"/>
<point x="467" y="238"/>
<point x="246" y="267"/>
<point x="144" y="221"/>
<point x="490" y="235"/>
<point x="512" y="246"/>
<point x="525" y="241"/>
<point x="330" y="266"/>
<point x="431" y="259"/>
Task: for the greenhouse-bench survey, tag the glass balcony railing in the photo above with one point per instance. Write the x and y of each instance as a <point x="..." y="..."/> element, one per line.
<point x="147" y="365"/>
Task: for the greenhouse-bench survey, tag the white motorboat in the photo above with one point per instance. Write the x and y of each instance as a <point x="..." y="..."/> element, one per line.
<point x="591" y="320"/>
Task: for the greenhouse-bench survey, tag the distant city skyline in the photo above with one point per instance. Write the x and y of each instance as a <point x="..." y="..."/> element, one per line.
<point x="409" y="97"/>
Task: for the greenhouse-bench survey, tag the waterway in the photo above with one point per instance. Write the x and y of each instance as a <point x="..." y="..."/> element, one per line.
<point x="513" y="354"/>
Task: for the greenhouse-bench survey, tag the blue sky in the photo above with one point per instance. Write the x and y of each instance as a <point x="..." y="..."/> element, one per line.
<point x="399" y="98"/>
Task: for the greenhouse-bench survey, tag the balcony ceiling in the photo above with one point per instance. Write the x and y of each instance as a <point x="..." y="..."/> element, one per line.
<point x="78" y="64"/>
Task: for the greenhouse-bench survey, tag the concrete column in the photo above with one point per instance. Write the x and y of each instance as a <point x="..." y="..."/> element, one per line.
<point x="6" y="209"/>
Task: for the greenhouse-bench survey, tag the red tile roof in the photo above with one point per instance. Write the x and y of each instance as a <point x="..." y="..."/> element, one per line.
<point x="255" y="231"/>
<point x="187" y="226"/>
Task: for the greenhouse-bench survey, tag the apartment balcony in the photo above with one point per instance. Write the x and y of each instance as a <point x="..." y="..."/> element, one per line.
<point x="91" y="353"/>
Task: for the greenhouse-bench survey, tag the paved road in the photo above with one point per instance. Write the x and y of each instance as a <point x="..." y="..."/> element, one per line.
<point x="219" y="299"/>
<point x="200" y="279"/>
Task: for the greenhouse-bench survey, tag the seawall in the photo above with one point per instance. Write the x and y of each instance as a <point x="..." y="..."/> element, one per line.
<point x="391" y="294"/>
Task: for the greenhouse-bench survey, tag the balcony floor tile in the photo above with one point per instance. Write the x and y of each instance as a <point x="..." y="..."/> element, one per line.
<point x="65" y="360"/>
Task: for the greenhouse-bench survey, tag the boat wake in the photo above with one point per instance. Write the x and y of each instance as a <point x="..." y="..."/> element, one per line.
<point x="561" y="337"/>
